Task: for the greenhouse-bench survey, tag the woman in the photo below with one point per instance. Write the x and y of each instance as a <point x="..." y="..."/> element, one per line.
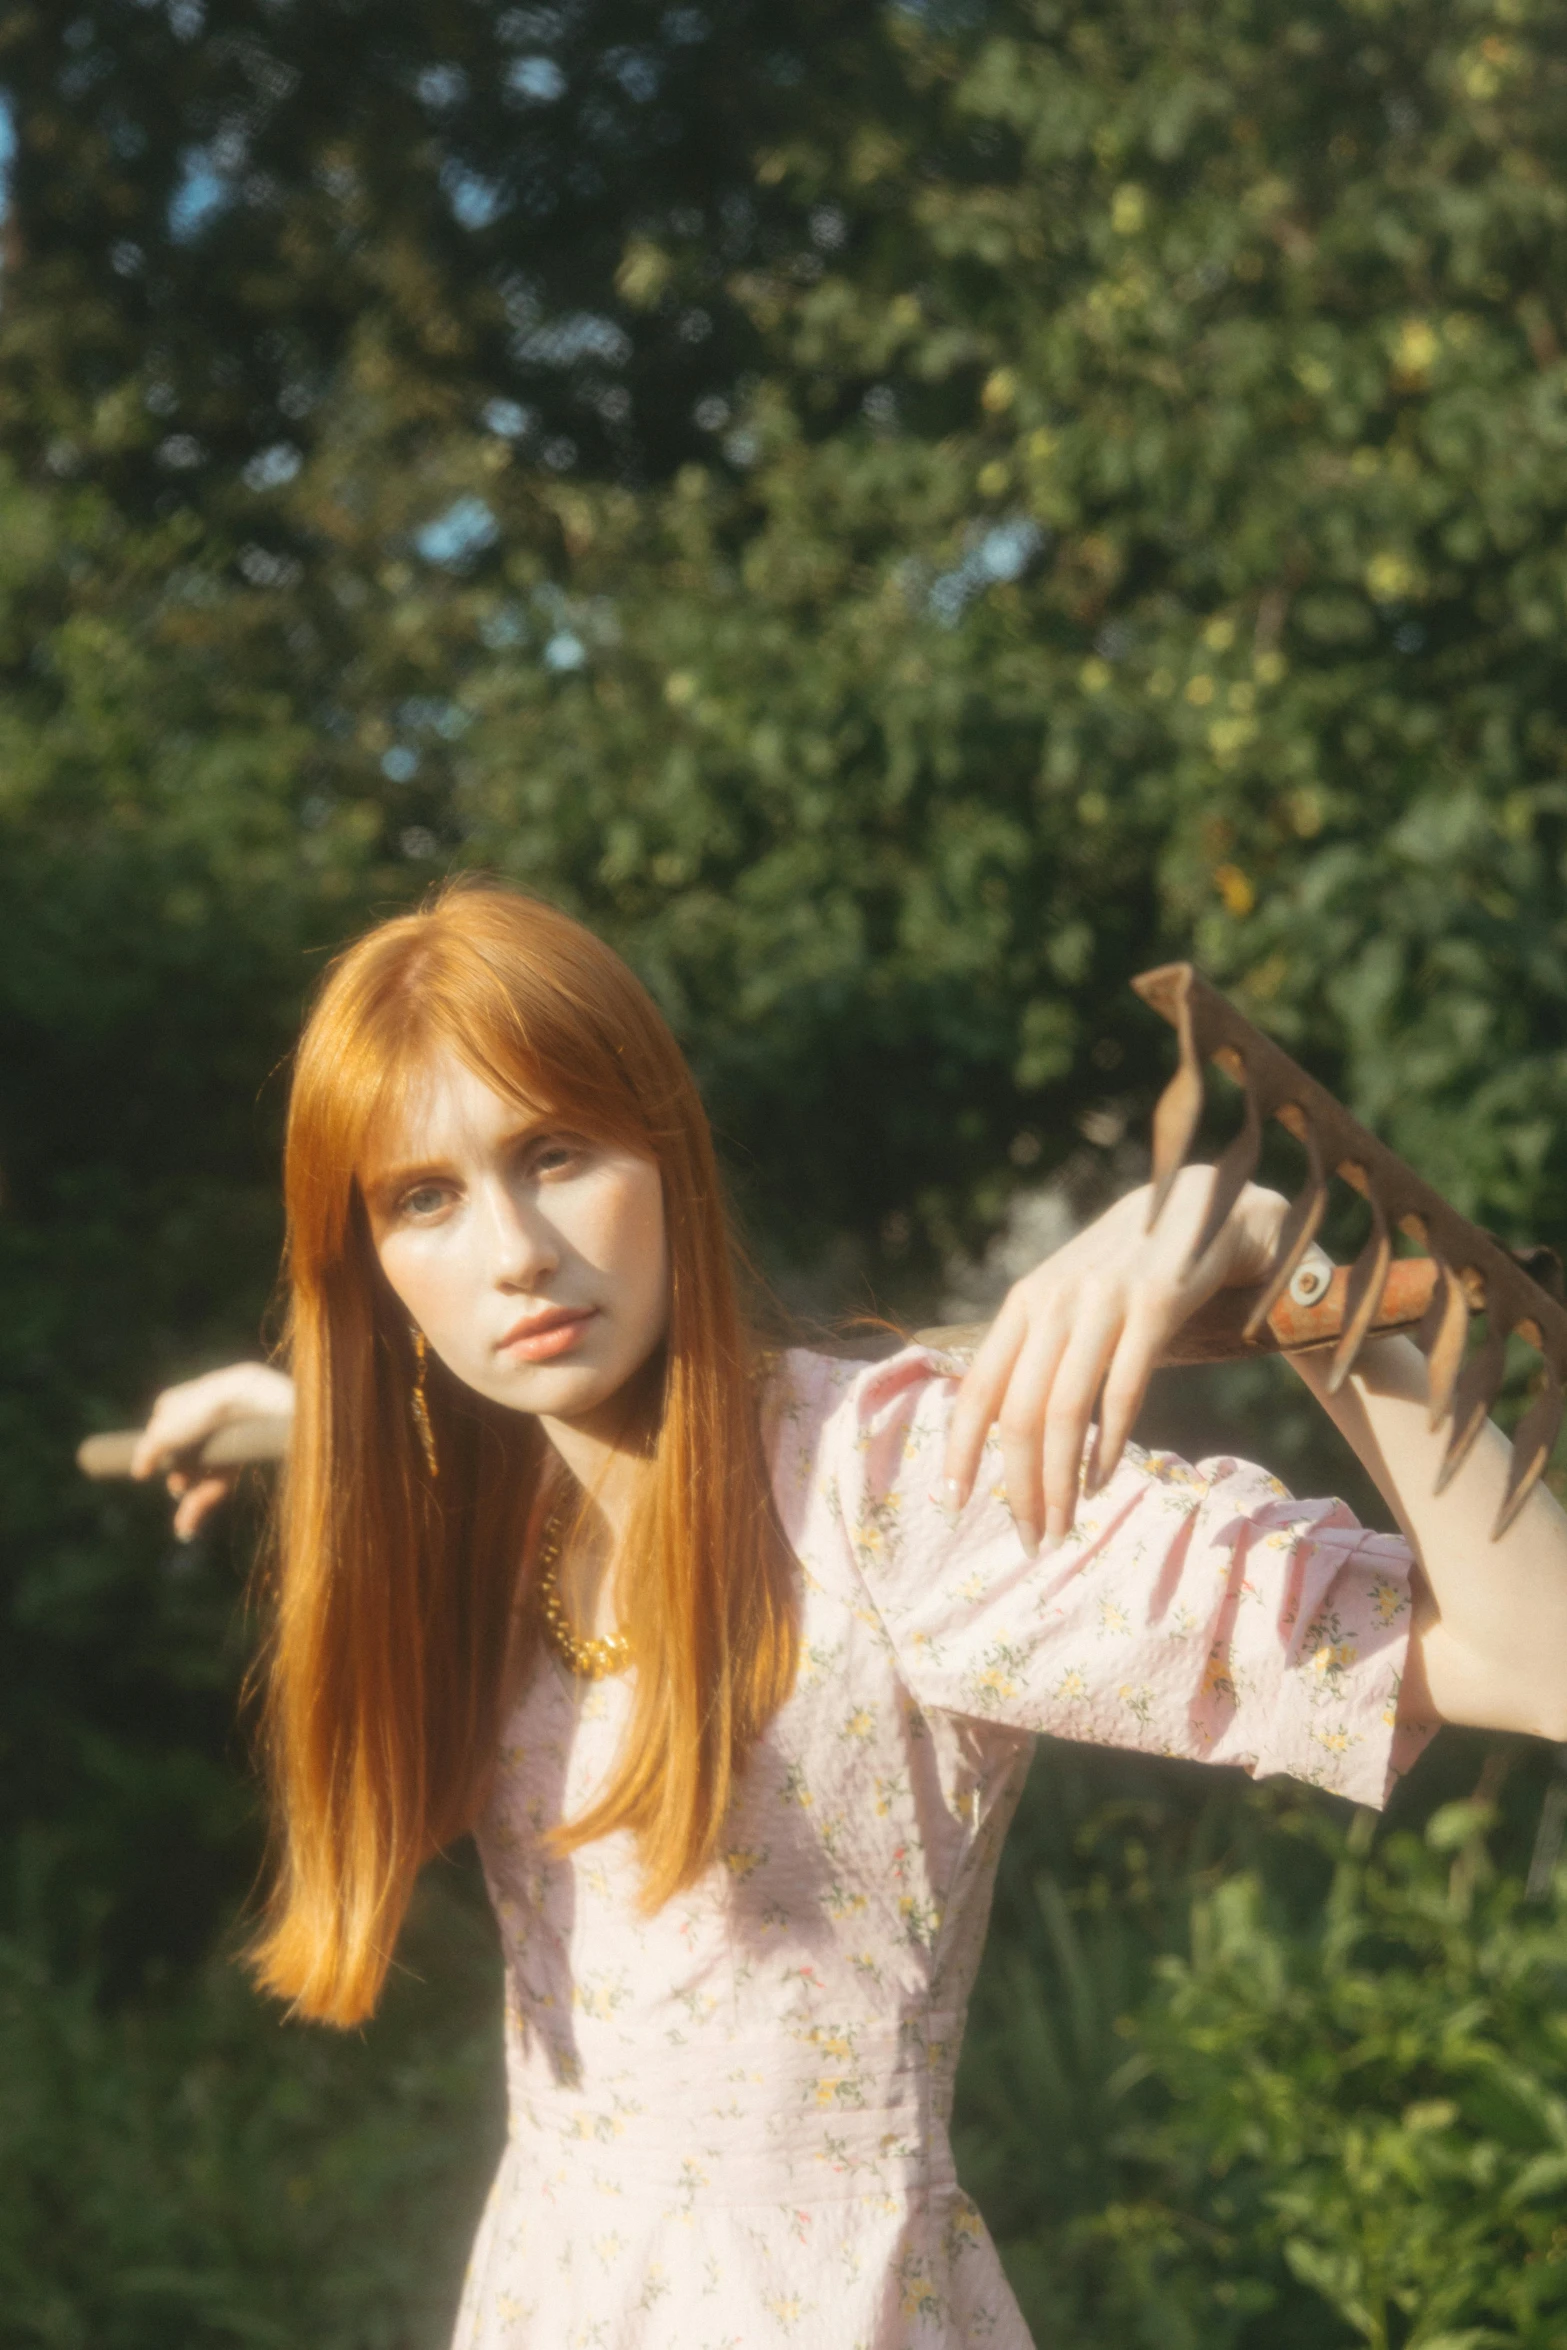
<point x="734" y="1664"/>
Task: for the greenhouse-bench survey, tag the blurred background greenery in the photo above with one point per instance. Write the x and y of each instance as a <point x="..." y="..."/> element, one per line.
<point x="901" y="515"/>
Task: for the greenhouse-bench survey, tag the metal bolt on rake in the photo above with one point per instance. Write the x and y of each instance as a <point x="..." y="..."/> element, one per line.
<point x="1471" y="1272"/>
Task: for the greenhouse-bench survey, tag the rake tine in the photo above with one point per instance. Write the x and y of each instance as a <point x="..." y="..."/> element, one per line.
<point x="1298" y="1232"/>
<point x="1367" y="1280"/>
<point x="1174" y="1124"/>
<point x="1442" y="1337"/>
<point x="1478" y="1387"/>
<point x="1176" y="1112"/>
<point x="1232" y="1174"/>
<point x="1533" y="1441"/>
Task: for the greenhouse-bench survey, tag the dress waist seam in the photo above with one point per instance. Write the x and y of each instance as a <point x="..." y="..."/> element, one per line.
<point x="933" y="2182"/>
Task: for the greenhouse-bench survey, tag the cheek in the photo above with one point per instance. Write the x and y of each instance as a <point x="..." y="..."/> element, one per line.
<point x="429" y="1282"/>
<point x="655" y="1260"/>
<point x="638" y="1248"/>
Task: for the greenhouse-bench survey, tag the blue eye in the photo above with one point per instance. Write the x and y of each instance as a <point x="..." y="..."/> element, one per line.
<point x="426" y="1199"/>
<point x="555" y="1156"/>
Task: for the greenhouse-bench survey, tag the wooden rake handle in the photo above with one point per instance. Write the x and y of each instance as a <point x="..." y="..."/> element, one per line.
<point x="1226" y="1329"/>
<point x="1219" y="1332"/>
<point x="240" y="1444"/>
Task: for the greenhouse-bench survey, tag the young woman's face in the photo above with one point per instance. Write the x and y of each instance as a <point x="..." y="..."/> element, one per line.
<point x="533" y="1259"/>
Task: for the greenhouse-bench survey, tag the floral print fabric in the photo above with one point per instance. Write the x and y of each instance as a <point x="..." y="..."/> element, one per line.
<point x="729" y="2120"/>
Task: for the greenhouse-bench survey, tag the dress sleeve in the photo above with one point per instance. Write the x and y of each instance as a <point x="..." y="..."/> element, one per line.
<point x="1194" y="1611"/>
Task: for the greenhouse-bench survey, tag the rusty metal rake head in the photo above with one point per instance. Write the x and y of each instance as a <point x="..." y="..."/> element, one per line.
<point x="1475" y="1274"/>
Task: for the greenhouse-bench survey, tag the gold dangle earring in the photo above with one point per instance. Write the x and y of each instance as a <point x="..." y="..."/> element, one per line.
<point x="420" y="1405"/>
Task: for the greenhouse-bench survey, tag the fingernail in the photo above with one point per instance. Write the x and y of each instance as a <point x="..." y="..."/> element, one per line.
<point x="1028" y="1535"/>
<point x="1052" y="1542"/>
<point x="948" y="1497"/>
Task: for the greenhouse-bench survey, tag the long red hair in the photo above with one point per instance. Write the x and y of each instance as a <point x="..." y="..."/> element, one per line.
<point x="397" y="1596"/>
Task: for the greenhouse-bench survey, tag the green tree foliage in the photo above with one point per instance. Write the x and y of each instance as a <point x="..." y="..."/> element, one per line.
<point x="185" y="2172"/>
<point x="216" y="200"/>
<point x="902" y="517"/>
<point x="1240" y="2077"/>
<point x="1382" y="2095"/>
<point x="1155" y="522"/>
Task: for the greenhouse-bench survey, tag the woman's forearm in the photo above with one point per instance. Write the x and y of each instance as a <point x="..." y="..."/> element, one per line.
<point x="1490" y="1644"/>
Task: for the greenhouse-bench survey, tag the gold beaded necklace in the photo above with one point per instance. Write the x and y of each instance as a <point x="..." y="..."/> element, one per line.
<point x="590" y="1660"/>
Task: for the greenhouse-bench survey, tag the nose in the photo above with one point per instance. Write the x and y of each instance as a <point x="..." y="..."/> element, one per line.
<point x="524" y="1247"/>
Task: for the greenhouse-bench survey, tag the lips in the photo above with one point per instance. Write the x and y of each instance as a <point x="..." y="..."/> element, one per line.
<point x="538" y="1338"/>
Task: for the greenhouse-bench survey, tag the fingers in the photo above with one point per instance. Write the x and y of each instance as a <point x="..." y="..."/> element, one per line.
<point x="197" y="1504"/>
<point x="1021" y="1425"/>
<point x="180" y="1419"/>
<point x="1125" y="1385"/>
<point x="1035" y="1380"/>
<point x="1098" y="1317"/>
<point x="978" y="1403"/>
<point x="184" y="1416"/>
<point x="1067" y="1416"/>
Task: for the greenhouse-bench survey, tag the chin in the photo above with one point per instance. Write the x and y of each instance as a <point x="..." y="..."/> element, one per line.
<point x="559" y="1391"/>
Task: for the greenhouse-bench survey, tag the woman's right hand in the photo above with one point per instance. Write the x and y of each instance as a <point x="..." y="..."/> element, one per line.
<point x="185" y="1416"/>
<point x="1094" y="1317"/>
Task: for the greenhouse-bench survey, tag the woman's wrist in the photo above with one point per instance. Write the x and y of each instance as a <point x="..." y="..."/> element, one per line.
<point x="1258" y="1217"/>
<point x="1252" y="1227"/>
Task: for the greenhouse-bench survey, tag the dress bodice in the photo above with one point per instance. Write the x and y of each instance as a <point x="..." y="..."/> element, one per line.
<point x="805" y="2000"/>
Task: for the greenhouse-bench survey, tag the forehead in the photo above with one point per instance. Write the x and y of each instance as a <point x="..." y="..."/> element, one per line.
<point x="441" y="1108"/>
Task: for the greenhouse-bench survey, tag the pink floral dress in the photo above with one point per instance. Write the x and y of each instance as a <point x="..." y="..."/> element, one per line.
<point x="729" y="2120"/>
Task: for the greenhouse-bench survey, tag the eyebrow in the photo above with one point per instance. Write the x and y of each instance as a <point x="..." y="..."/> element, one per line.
<point x="382" y="1180"/>
<point x="387" y="1179"/>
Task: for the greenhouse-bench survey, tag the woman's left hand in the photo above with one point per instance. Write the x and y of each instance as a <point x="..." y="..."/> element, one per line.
<point x="183" y="1416"/>
<point x="1095" y="1315"/>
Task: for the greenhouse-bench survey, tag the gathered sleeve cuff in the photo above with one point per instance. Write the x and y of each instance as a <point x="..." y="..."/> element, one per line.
<point x="1197" y="1611"/>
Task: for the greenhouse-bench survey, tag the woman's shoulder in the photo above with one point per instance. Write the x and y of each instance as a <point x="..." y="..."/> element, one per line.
<point x="821" y="1410"/>
<point x="816" y="1406"/>
<point x="811" y="1384"/>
